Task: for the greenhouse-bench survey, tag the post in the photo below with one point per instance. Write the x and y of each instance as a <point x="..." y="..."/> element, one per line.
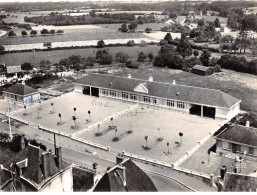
<point x="90" y="91"/>
<point x="10" y="127"/>
<point x="54" y="144"/>
<point x="201" y="111"/>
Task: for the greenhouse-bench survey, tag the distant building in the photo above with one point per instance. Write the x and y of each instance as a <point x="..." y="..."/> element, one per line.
<point x="235" y="182"/>
<point x="202" y="70"/>
<point x="202" y="102"/>
<point x="33" y="169"/>
<point x="125" y="177"/>
<point x="3" y="78"/>
<point x="22" y="93"/>
<point x="13" y="71"/>
<point x="238" y="140"/>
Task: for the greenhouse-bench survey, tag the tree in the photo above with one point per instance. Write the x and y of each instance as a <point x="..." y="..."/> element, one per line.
<point x="24" y="33"/>
<point x="148" y="30"/>
<point x="100" y="44"/>
<point x="112" y="122"/>
<point x="132" y="26"/>
<point x="74" y="109"/>
<point x="217" y="23"/>
<point x="33" y="32"/>
<point x="168" y="144"/>
<point x="168" y="38"/>
<point x="201" y="23"/>
<point x="25" y="108"/>
<point x="121" y="57"/>
<point x="167" y="49"/>
<point x="205" y="56"/>
<point x="11" y="34"/>
<point x="89" y="112"/>
<point x="106" y="59"/>
<point x="173" y="14"/>
<point x="146" y="138"/>
<point x="181" y="135"/>
<point x="59" y="32"/>
<point x="60" y="116"/>
<point x="26" y="66"/>
<point x="124" y="28"/>
<point x="44" y="32"/>
<point x="227" y="39"/>
<point x="74" y="119"/>
<point x="163" y="42"/>
<point x="141" y="56"/>
<point x="196" y="53"/>
<point x="131" y="43"/>
<point x="1" y="49"/>
<point x="150" y="56"/>
<point x="184" y="47"/>
<point x="48" y="45"/>
<point x="90" y="61"/>
<point x="52" y="32"/>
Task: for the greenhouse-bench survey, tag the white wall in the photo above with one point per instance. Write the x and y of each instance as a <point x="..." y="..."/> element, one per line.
<point x="62" y="183"/>
<point x="222" y="113"/>
<point x="35" y="98"/>
<point x="78" y="88"/>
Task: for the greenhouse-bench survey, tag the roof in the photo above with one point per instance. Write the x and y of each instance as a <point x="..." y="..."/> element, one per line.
<point x="34" y="169"/>
<point x="21" y="89"/>
<point x="136" y="180"/>
<point x="240" y="134"/>
<point x="13" y="69"/>
<point x="202" y="68"/>
<point x="239" y="183"/>
<point x="191" y="94"/>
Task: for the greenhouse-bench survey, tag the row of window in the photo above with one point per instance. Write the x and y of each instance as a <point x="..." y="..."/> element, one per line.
<point x="147" y="99"/>
<point x="236" y="148"/>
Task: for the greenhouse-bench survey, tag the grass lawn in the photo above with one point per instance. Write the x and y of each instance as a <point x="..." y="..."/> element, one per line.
<point x="239" y="85"/>
<point x="12" y="59"/>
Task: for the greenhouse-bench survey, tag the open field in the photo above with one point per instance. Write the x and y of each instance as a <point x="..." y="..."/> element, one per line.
<point x="99" y="109"/>
<point x="12" y="59"/>
<point x="239" y="85"/>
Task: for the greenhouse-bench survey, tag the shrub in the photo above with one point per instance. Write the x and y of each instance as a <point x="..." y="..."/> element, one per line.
<point x="121" y="57"/>
<point x="141" y="57"/>
<point x="163" y="42"/>
<point x="148" y="30"/>
<point x="100" y="44"/>
<point x="106" y="59"/>
<point x="26" y="66"/>
<point x="143" y="43"/>
<point x="150" y="56"/>
<point x="132" y="65"/>
<point x="131" y="43"/>
<point x="24" y="33"/>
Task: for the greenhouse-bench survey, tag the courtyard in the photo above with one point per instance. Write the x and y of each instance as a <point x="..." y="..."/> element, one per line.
<point x="147" y="131"/>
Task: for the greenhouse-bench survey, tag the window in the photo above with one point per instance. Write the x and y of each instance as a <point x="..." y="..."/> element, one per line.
<point x="147" y="99"/>
<point x="133" y="96"/>
<point x="104" y="91"/>
<point x="238" y="149"/>
<point x="124" y="95"/>
<point x="170" y="103"/>
<point x="251" y="150"/>
<point x="155" y="100"/>
<point x="181" y="105"/>
<point x="113" y="93"/>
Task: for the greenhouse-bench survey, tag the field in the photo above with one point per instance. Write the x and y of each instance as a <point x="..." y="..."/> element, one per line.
<point x="143" y="121"/>
<point x="12" y="59"/>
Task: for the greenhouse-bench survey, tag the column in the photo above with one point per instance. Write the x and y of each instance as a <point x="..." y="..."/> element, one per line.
<point x="201" y="111"/>
<point x="90" y="91"/>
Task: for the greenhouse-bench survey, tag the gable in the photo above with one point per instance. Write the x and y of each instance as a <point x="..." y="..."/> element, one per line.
<point x="141" y="88"/>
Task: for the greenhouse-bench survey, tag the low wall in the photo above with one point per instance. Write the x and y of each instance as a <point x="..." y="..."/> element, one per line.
<point x="15" y="118"/>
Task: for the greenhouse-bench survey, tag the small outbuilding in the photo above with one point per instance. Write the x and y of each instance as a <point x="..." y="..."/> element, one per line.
<point x="202" y="70"/>
<point x="22" y="93"/>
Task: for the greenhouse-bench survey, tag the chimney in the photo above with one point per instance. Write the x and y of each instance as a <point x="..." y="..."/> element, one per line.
<point x="247" y="124"/>
<point x="45" y="162"/>
<point x="129" y="76"/>
<point x="22" y="142"/>
<point x="123" y="174"/>
<point x="59" y="157"/>
<point x="174" y="82"/>
<point x="119" y="158"/>
<point x="151" y="79"/>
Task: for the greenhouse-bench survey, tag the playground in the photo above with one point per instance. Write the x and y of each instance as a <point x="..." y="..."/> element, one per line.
<point x="151" y="132"/>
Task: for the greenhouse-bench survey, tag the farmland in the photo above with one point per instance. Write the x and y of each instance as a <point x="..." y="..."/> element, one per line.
<point x="12" y="59"/>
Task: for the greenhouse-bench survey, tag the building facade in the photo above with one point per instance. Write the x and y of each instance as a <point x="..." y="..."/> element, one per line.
<point x="238" y="140"/>
<point x="190" y="100"/>
<point x="22" y="93"/>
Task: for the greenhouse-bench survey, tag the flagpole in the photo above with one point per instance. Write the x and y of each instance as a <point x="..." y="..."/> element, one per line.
<point x="10" y="127"/>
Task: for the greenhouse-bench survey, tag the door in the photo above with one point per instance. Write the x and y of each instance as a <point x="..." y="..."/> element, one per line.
<point x="234" y="147"/>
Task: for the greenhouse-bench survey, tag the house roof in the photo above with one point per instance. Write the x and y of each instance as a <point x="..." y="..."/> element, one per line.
<point x="13" y="69"/>
<point x="34" y="169"/>
<point x="21" y="89"/>
<point x="136" y="180"/>
<point x="202" y="68"/>
<point x="191" y="94"/>
<point x="240" y="134"/>
<point x="234" y="182"/>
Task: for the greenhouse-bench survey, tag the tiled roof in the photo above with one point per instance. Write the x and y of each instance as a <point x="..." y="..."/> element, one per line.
<point x="240" y="134"/>
<point x="239" y="183"/>
<point x="199" y="67"/>
<point x="13" y="69"/>
<point x="136" y="180"/>
<point x="20" y="89"/>
<point x="34" y="170"/>
<point x="191" y="94"/>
